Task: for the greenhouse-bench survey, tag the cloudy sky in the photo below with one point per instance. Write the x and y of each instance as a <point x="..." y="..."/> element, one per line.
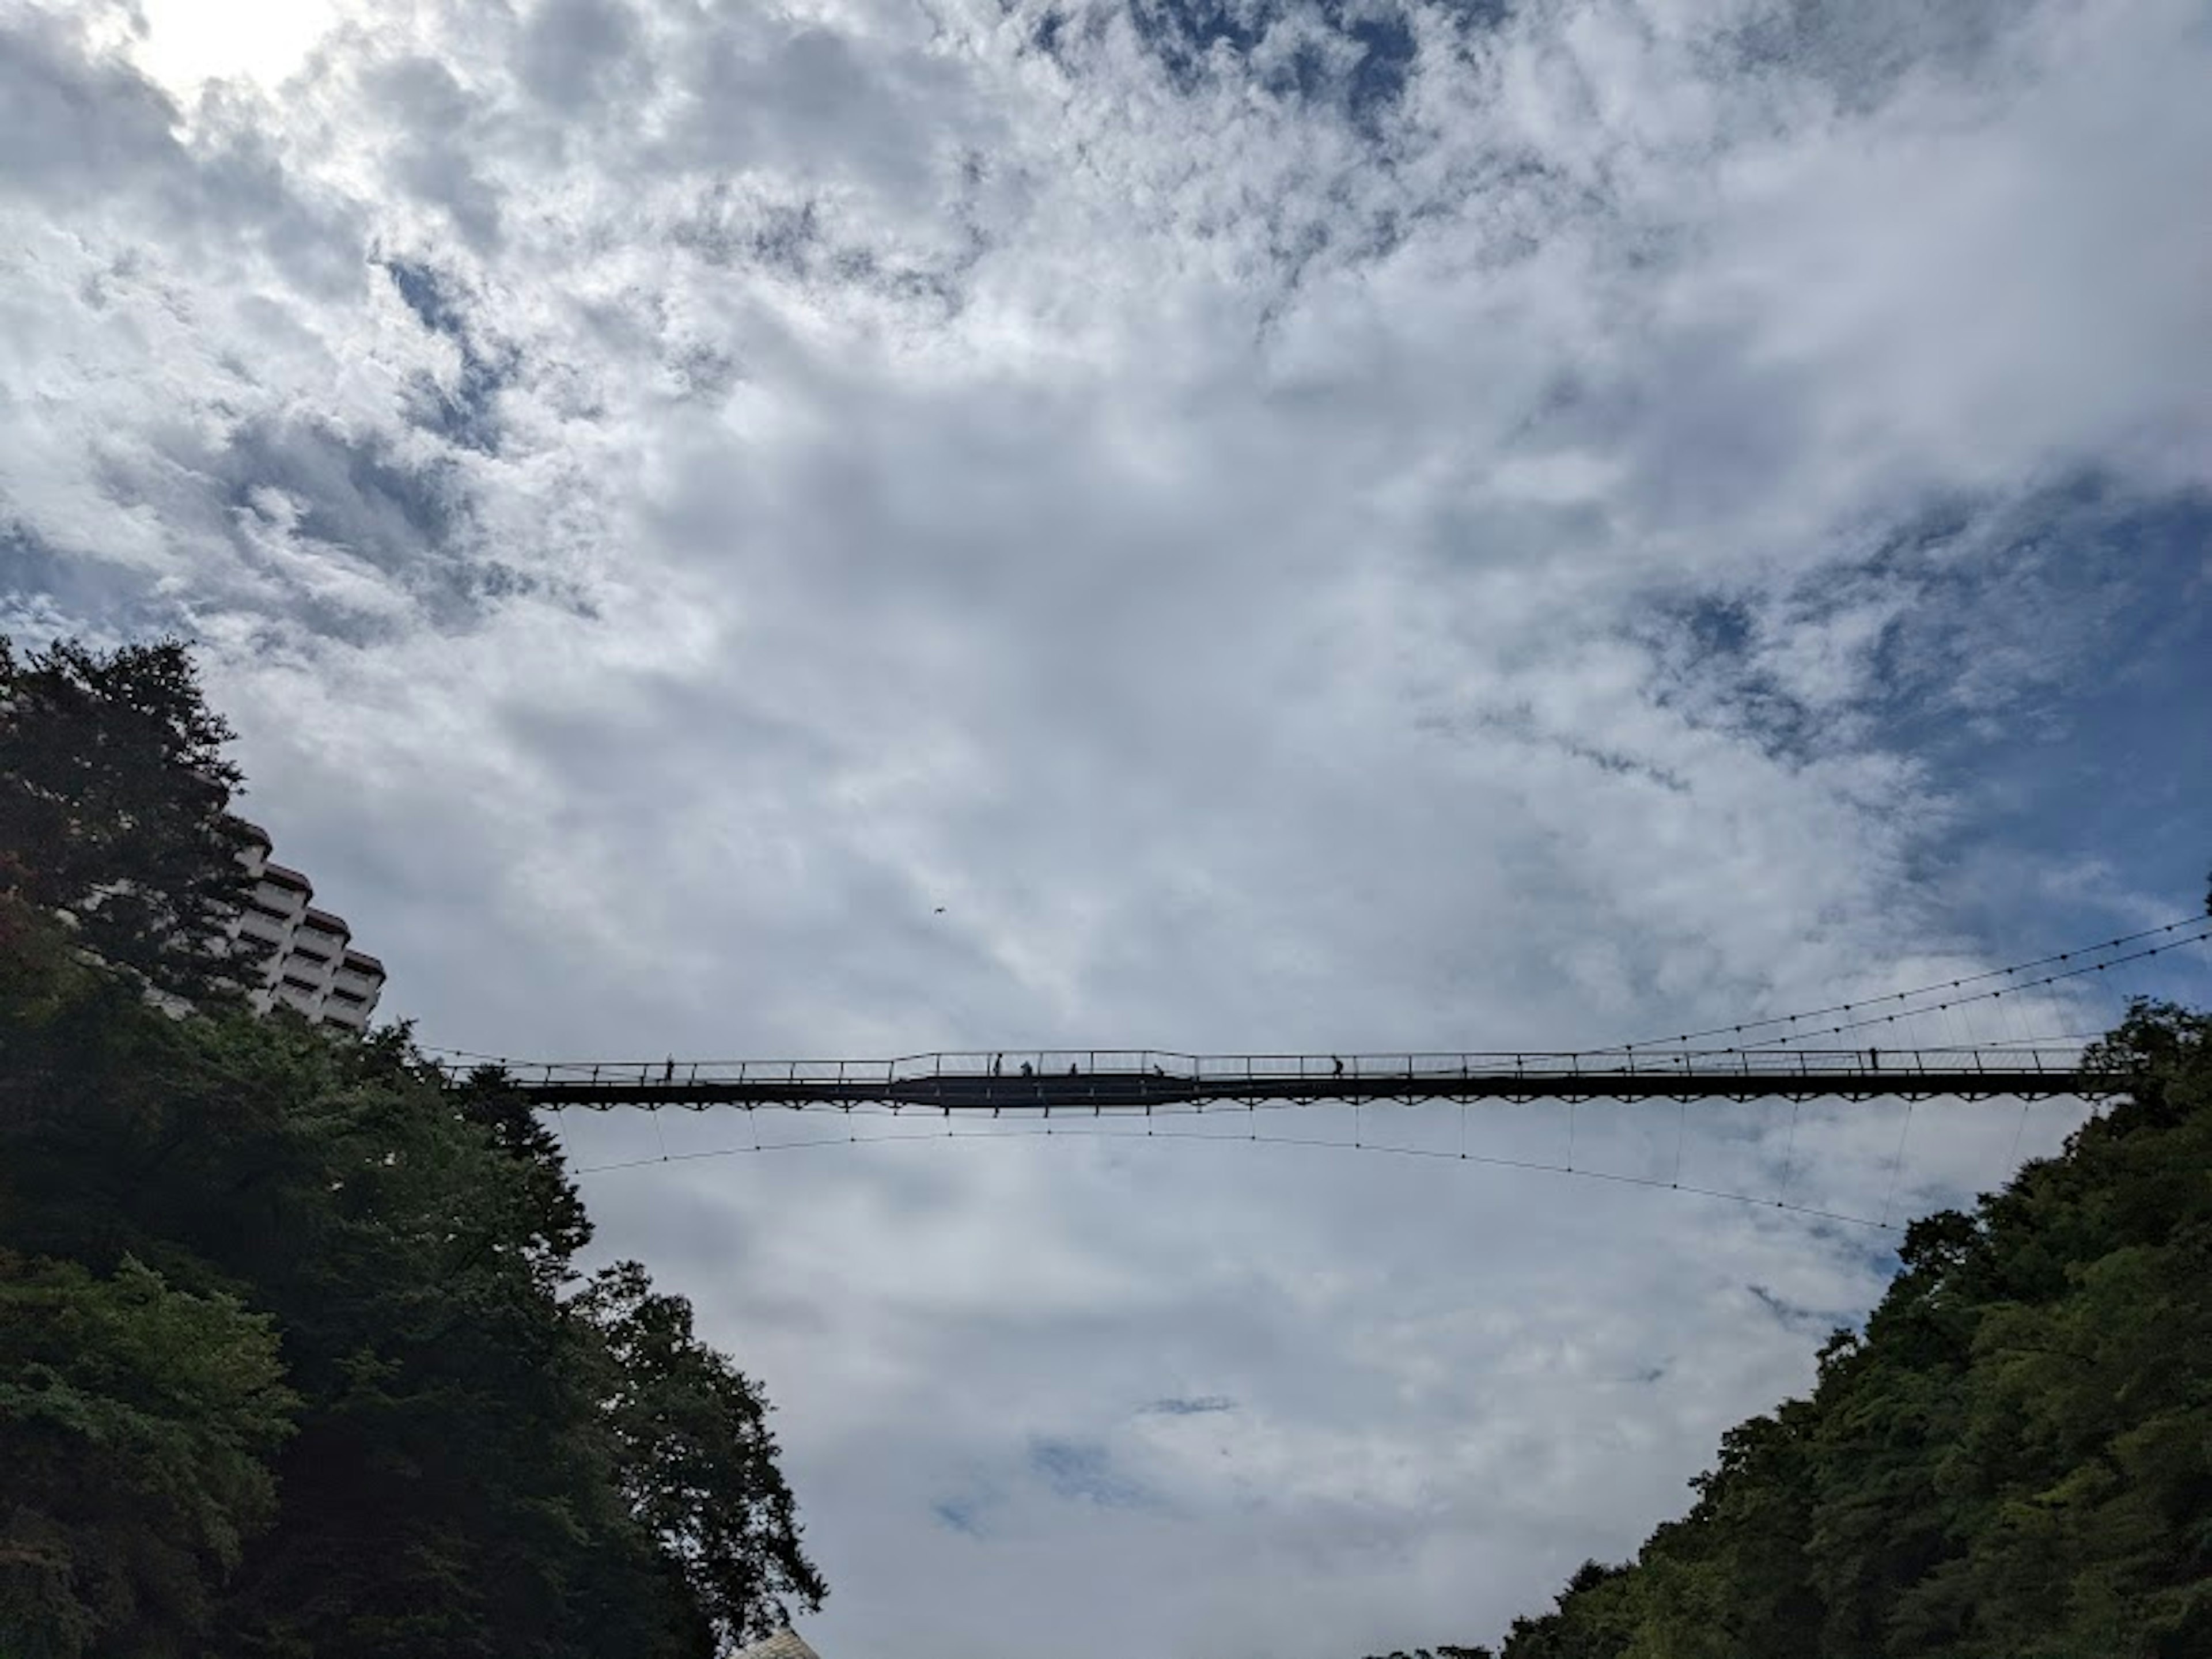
<point x="1324" y="524"/>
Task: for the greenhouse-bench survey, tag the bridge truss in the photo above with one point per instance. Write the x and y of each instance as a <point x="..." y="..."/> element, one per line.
<point x="1097" y="1082"/>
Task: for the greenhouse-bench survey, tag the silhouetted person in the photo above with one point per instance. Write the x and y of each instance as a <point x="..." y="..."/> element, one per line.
<point x="1027" y="1071"/>
<point x="1071" y="1068"/>
<point x="668" y="1072"/>
<point x="1340" y="1065"/>
<point x="997" y="1061"/>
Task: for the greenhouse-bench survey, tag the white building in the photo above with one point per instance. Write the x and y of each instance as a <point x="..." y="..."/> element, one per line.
<point x="306" y="956"/>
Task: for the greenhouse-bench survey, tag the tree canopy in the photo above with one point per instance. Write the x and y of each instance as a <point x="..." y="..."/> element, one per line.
<point x="139" y="1422"/>
<point x="297" y="1357"/>
<point x="2012" y="1461"/>
<point x="115" y="806"/>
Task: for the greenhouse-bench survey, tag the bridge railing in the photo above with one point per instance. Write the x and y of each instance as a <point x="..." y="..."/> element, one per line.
<point x="1428" y="1067"/>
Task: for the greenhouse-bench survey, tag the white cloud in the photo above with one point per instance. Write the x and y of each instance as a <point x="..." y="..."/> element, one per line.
<point x="675" y="493"/>
<point x="183" y="44"/>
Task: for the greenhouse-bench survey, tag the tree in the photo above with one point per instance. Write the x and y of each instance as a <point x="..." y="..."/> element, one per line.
<point x="698" y="1462"/>
<point x="2012" y="1461"/>
<point x="483" y="1462"/>
<point x="559" y="1226"/>
<point x="475" y="1458"/>
<point x="1589" y="1621"/>
<point x="114" y="807"/>
<point x="137" y="1426"/>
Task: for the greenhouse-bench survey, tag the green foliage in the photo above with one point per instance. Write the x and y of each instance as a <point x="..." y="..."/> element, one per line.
<point x="462" y="1450"/>
<point x="114" y="806"/>
<point x="698" y="1462"/>
<point x="488" y="1457"/>
<point x="2014" y="1461"/>
<point x="1591" y="1620"/>
<point x="137" y="1421"/>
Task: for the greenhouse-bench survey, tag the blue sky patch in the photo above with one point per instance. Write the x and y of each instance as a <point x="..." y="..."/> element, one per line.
<point x="467" y="412"/>
<point x="1085" y="1472"/>
<point x="1356" y="57"/>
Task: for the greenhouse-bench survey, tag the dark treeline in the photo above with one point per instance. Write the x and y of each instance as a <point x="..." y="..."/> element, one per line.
<point x="2014" y="1461"/>
<point x="294" y="1357"/>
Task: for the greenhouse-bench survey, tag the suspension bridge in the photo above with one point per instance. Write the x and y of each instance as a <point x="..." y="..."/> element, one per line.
<point x="1796" y="1056"/>
<point x="1099" y="1081"/>
<point x="1859" y="1050"/>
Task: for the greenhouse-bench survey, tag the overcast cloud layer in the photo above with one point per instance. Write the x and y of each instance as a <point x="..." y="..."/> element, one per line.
<point x="1331" y="527"/>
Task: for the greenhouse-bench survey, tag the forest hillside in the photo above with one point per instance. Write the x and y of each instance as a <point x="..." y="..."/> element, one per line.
<point x="296" y="1358"/>
<point x="2013" y="1459"/>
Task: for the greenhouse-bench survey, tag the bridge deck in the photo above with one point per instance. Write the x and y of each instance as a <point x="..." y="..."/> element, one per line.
<point x="1123" y="1081"/>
